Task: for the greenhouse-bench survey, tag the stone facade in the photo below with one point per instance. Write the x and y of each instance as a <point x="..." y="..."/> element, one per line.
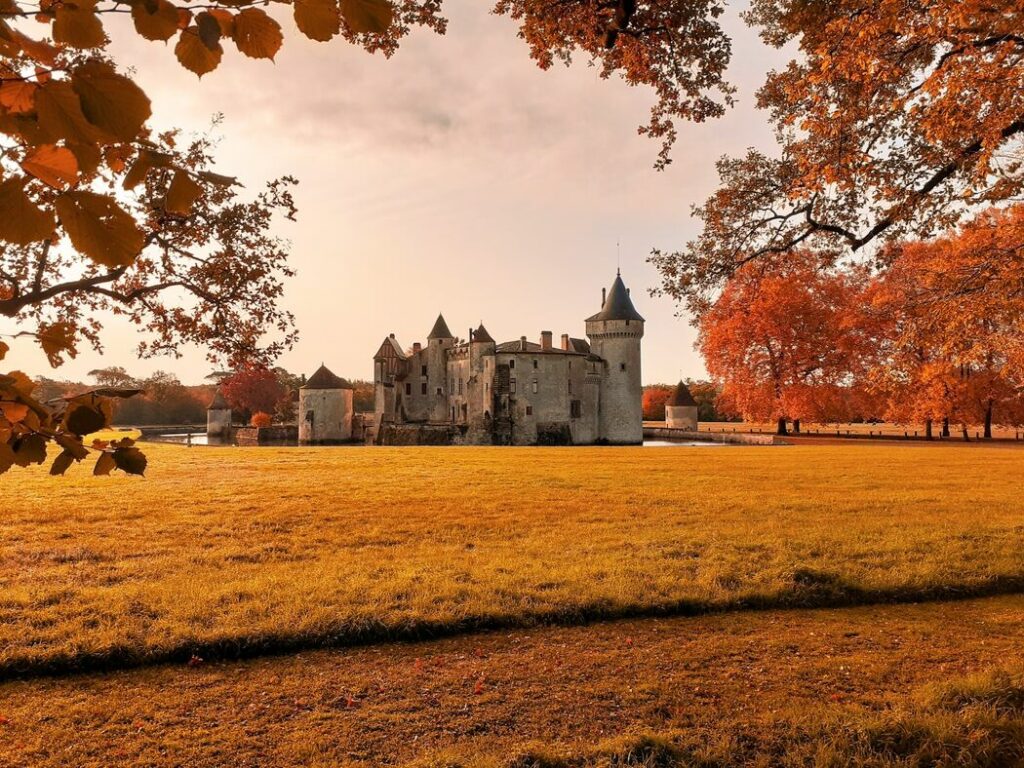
<point x="518" y="392"/>
<point x="218" y="418"/>
<point x="325" y="409"/>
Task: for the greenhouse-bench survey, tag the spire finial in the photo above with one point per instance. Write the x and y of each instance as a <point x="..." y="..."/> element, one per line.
<point x="618" y="257"/>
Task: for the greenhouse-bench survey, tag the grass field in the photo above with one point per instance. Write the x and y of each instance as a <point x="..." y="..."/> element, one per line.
<point x="226" y="552"/>
<point x="884" y="429"/>
<point x="937" y="684"/>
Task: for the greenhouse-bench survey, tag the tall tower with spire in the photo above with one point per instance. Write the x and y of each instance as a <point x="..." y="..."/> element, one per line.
<point x="439" y="341"/>
<point x="615" y="333"/>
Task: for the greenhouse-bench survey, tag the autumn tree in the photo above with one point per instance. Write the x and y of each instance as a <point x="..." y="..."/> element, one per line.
<point x="653" y="403"/>
<point x="253" y="389"/>
<point x="948" y="318"/>
<point x="781" y="340"/>
<point x="897" y="119"/>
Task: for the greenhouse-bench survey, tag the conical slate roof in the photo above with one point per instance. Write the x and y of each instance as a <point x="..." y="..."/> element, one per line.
<point x="682" y="396"/>
<point x="481" y="334"/>
<point x="218" y="403"/>
<point x="618" y="305"/>
<point x="440" y="330"/>
<point x="324" y="379"/>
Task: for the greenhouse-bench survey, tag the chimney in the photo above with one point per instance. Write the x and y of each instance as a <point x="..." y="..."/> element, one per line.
<point x="391" y="335"/>
<point x="522" y="343"/>
<point x="416" y="347"/>
<point x="603" y="297"/>
<point x="545" y="341"/>
<point x="565" y="342"/>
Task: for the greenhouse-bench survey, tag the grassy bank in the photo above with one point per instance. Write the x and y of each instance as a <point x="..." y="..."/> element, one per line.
<point x="234" y="552"/>
<point x="881" y="686"/>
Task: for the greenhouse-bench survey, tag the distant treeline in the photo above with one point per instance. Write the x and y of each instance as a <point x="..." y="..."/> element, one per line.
<point x="166" y="400"/>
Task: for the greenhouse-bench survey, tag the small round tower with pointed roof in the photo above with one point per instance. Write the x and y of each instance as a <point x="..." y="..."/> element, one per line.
<point x="615" y="333"/>
<point x="681" y="409"/>
<point x="325" y="409"/>
<point x="218" y="417"/>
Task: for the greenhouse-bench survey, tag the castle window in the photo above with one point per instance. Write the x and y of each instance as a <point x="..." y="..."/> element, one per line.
<point x="460" y="386"/>
<point x="423" y="388"/>
<point x="622" y="366"/>
<point x="423" y="370"/>
<point x="512" y="386"/>
<point x="535" y="365"/>
<point x="575" y="409"/>
<point x="439" y="391"/>
<point x="529" y="410"/>
<point x="570" y="386"/>
<point x="408" y="388"/>
<point x="511" y="363"/>
<point x="535" y="386"/>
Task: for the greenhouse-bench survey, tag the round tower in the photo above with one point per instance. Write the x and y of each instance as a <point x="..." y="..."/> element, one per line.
<point x="615" y="333"/>
<point x="325" y="409"/>
<point x="218" y="418"/>
<point x="681" y="409"/>
<point x="439" y="342"/>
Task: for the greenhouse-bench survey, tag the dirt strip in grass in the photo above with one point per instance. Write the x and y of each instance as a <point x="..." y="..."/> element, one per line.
<point x="491" y="697"/>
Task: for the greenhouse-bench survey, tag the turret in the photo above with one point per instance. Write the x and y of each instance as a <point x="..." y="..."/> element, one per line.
<point x="218" y="417"/>
<point x="325" y="409"/>
<point x="615" y="333"/>
<point x="681" y="409"/>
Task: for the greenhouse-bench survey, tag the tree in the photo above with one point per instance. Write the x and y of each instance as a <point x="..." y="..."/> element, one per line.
<point x="253" y="389"/>
<point x="654" y="398"/>
<point x="949" y="313"/>
<point x="898" y="118"/>
<point x="781" y="340"/>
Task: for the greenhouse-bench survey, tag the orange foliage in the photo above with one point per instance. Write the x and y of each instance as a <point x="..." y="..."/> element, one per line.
<point x="261" y="419"/>
<point x="654" y="401"/>
<point x="784" y="342"/>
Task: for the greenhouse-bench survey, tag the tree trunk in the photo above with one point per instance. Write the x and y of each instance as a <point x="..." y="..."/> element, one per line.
<point x="945" y="427"/>
<point x="782" y="427"/>
<point x="928" y="429"/>
<point x="796" y="426"/>
<point x="963" y="431"/>
<point x="988" y="421"/>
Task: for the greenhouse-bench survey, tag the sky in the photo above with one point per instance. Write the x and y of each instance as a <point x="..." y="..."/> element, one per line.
<point x="456" y="177"/>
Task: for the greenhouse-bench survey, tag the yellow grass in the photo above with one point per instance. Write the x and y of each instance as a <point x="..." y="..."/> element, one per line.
<point x="893" y="686"/>
<point x="234" y="551"/>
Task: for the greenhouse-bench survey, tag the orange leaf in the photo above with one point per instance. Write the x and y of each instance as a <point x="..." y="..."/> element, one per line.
<point x="256" y="34"/>
<point x="367" y="15"/>
<point x="193" y="53"/>
<point x="99" y="228"/>
<point x="182" y="194"/>
<point x="55" y="166"/>
<point x="156" y="22"/>
<point x="110" y="101"/>
<point x="77" y="25"/>
<point x="22" y="222"/>
<point x="318" y="19"/>
<point x="13" y="412"/>
<point x="18" y="96"/>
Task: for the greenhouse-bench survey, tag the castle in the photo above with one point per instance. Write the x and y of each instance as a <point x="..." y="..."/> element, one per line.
<point x="518" y="392"/>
